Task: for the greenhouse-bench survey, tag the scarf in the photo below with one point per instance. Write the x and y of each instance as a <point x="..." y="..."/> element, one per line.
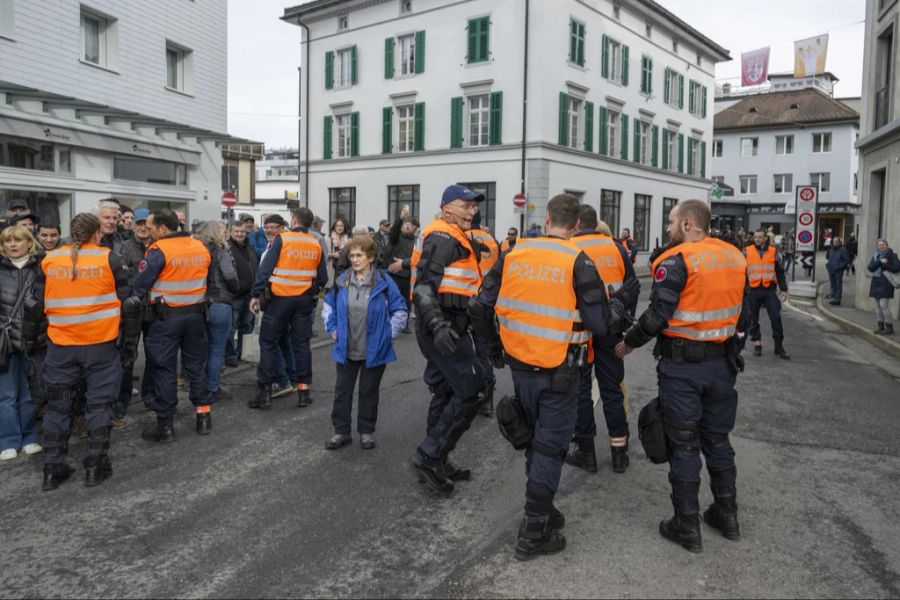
<point x="877" y="258"/>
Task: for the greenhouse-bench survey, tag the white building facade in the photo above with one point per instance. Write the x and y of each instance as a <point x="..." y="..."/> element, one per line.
<point x="408" y="96"/>
<point x="112" y="99"/>
<point x="767" y="144"/>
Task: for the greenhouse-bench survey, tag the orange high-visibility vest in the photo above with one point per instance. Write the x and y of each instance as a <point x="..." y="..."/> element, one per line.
<point x="710" y="303"/>
<point x="297" y="265"/>
<point x="462" y="277"/>
<point x="605" y="255"/>
<point x="182" y="282"/>
<point x="536" y="307"/>
<point x="760" y="269"/>
<point x="486" y="260"/>
<point x="504" y="245"/>
<point x="85" y="310"/>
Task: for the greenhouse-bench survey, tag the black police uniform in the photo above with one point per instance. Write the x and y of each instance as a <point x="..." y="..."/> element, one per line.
<point x="766" y="296"/>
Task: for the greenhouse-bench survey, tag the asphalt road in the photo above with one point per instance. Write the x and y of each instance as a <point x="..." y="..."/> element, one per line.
<point x="261" y="509"/>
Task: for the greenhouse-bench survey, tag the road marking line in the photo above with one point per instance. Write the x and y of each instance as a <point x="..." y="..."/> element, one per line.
<point x="803" y="312"/>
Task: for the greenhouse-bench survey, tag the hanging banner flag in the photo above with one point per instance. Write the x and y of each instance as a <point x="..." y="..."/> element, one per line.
<point x="809" y="56"/>
<point x="755" y="67"/>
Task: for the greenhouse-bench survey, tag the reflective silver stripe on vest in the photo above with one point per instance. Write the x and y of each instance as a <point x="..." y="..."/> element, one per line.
<point x="707" y="315"/>
<point x="179" y="298"/>
<point x="541" y="310"/>
<point x="458" y="272"/>
<point x="706" y="334"/>
<point x="761" y="268"/>
<point x="546" y="244"/>
<point x="459" y="284"/>
<point x="294" y="273"/>
<point x="85" y="252"/>
<point x="569" y="337"/>
<point x="83" y="301"/>
<point x="176" y="286"/>
<point x="413" y="271"/>
<point x="582" y="243"/>
<point x="284" y="281"/>
<point x="75" y="319"/>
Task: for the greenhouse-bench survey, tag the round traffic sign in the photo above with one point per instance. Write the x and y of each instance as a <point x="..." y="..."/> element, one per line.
<point x="805" y="237"/>
<point x="805" y="218"/>
<point x="807" y="194"/>
<point x="519" y="200"/>
<point x="229" y="199"/>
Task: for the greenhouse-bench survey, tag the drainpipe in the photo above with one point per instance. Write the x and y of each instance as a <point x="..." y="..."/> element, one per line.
<point x="304" y="156"/>
<point x="524" y="119"/>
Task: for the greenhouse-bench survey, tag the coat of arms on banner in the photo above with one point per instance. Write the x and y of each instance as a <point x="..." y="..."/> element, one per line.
<point x="755" y="67"/>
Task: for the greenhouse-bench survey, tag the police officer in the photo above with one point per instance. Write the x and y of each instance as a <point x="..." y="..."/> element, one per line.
<point x="548" y="299"/>
<point x="80" y="289"/>
<point x="292" y="272"/>
<point x="765" y="268"/>
<point x="697" y="304"/>
<point x="488" y="252"/>
<point x="615" y="268"/>
<point x="445" y="275"/>
<point x="174" y="274"/>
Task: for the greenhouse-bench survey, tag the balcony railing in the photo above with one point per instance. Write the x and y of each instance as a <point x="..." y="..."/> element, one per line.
<point x="882" y="107"/>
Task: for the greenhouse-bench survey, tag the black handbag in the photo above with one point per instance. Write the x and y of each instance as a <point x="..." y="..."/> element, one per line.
<point x="6" y="347"/>
<point x="652" y="431"/>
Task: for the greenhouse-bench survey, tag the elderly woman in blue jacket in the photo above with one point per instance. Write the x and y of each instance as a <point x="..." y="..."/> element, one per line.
<point x="363" y="313"/>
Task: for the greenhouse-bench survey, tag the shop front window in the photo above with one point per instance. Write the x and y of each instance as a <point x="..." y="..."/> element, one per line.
<point x="34" y="155"/>
<point x="50" y="208"/>
<point x="146" y="170"/>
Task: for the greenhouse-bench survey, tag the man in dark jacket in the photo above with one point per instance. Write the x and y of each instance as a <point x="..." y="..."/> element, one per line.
<point x="838" y="260"/>
<point x="108" y="212"/>
<point x="246" y="263"/>
<point x="402" y="240"/>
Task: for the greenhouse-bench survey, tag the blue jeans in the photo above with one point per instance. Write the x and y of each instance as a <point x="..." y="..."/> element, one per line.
<point x="242" y="321"/>
<point x="17" y="411"/>
<point x="218" y="327"/>
<point x="836" y="280"/>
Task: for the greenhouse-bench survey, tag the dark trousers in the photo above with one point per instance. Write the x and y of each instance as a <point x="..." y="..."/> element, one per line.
<point x="610" y="373"/>
<point x="165" y="338"/>
<point x="100" y="368"/>
<point x="702" y="394"/>
<point x="283" y="312"/>
<point x="147" y="392"/>
<point x="490" y="380"/>
<point x="461" y="377"/>
<point x="836" y="282"/>
<point x="553" y="415"/>
<point x="367" y="405"/>
<point x="403" y="285"/>
<point x="767" y="297"/>
<point x="241" y="325"/>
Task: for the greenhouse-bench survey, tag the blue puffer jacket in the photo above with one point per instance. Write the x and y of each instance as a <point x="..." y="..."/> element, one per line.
<point x="257" y="239"/>
<point x="386" y="317"/>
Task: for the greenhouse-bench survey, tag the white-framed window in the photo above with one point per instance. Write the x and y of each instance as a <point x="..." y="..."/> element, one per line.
<point x="749" y="147"/>
<point x="672" y="150"/>
<point x="94" y="42"/>
<point x="574" y="114"/>
<point x="479" y="113"/>
<point x="821" y="142"/>
<point x="784" y="145"/>
<point x="784" y="183"/>
<point x="748" y="184"/>
<point x="405" y="7"/>
<point x="615" y="61"/>
<point x="612" y="145"/>
<point x="406" y="128"/>
<point x="823" y="180"/>
<point x="695" y="157"/>
<point x="344" y="64"/>
<point x="696" y="91"/>
<point x="644" y="132"/>
<point x="343" y="22"/>
<point x="717" y="149"/>
<point x="674" y="79"/>
<point x="178" y="68"/>
<point x="342" y="131"/>
<point x="719" y="179"/>
<point x="407" y="54"/>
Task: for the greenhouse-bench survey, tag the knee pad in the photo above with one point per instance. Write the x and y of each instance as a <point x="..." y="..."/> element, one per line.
<point x="714" y="441"/>
<point x="684" y="435"/>
<point x="551" y="451"/>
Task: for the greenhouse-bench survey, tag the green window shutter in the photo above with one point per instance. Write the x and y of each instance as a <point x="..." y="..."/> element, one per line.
<point x="703" y="158"/>
<point x="604" y="131"/>
<point x="654" y="153"/>
<point x="329" y="70"/>
<point x="484" y="39"/>
<point x="581" y="41"/>
<point x="389" y="58"/>
<point x="387" y="141"/>
<point x="326" y="139"/>
<point x="666" y="90"/>
<point x="690" y="156"/>
<point x="472" y="40"/>
<point x="604" y="65"/>
<point x="563" y="119"/>
<point x="419" y="124"/>
<point x="589" y="126"/>
<point x="456" y="122"/>
<point x="573" y="40"/>
<point x="353" y="78"/>
<point x="703" y="106"/>
<point x="495" y="131"/>
<point x="680" y="91"/>
<point x="648" y="76"/>
<point x="420" y="52"/>
<point x="624" y="65"/>
<point x="624" y="122"/>
<point x="691" y="87"/>
<point x="354" y="134"/>
<point x="665" y="148"/>
<point x="681" y="153"/>
<point x="637" y="140"/>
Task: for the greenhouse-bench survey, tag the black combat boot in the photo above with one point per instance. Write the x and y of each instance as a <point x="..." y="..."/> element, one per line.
<point x="888" y="329"/>
<point x="163" y="431"/>
<point x="97" y="469"/>
<point x="557" y="519"/>
<point x="780" y="351"/>
<point x="204" y="420"/>
<point x="584" y="456"/>
<point x="619" y="458"/>
<point x="722" y="514"/>
<point x="55" y="475"/>
<point x="431" y="471"/>
<point x="455" y="473"/>
<point x="303" y="397"/>
<point x="262" y="391"/>
<point x="486" y="403"/>
<point x="757" y="349"/>
<point x="536" y="538"/>
<point x="880" y="329"/>
<point x="684" y="527"/>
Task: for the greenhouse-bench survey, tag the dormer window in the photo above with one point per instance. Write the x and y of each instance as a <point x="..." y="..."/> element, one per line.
<point x="343" y="23"/>
<point x="795" y="106"/>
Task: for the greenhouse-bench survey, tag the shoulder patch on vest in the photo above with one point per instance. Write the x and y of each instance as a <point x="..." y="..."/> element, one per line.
<point x="142" y="266"/>
<point x="661" y="274"/>
<point x="442" y="234"/>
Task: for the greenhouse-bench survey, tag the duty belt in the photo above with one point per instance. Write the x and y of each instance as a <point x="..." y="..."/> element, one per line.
<point x="684" y="350"/>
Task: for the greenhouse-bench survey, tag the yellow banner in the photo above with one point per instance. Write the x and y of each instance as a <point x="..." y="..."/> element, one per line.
<point x="809" y="56"/>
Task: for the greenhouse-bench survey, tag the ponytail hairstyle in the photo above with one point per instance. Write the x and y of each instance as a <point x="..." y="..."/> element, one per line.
<point x="83" y="228"/>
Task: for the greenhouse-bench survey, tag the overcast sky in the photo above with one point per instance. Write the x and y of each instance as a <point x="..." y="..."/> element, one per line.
<point x="264" y="52"/>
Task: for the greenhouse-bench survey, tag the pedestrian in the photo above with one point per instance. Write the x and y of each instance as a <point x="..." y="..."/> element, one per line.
<point x="83" y="288"/>
<point x="615" y="269"/>
<point x="174" y="274"/>
<point x="28" y="221"/>
<point x="881" y="289"/>
<point x="19" y="264"/>
<point x="698" y="314"/>
<point x="126" y="214"/>
<point x="512" y="234"/>
<point x="853" y="251"/>
<point x="488" y="251"/>
<point x="340" y="235"/>
<point x="246" y="264"/>
<point x="363" y="312"/>
<point x="221" y="286"/>
<point x="837" y="261"/>
<point x="446" y="275"/>
<point x="292" y="273"/>
<point x="16" y="206"/>
<point x="629" y="243"/>
<point x="382" y="239"/>
<point x="107" y="211"/>
<point x="765" y="274"/>
<point x="48" y="235"/>
<point x="788" y="249"/>
<point x="402" y="242"/>
<point x="545" y="327"/>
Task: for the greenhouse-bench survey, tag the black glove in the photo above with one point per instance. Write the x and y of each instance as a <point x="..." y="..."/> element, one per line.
<point x="620" y="319"/>
<point x="445" y="339"/>
<point x="495" y="356"/>
<point x="129" y="355"/>
<point x="628" y="293"/>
